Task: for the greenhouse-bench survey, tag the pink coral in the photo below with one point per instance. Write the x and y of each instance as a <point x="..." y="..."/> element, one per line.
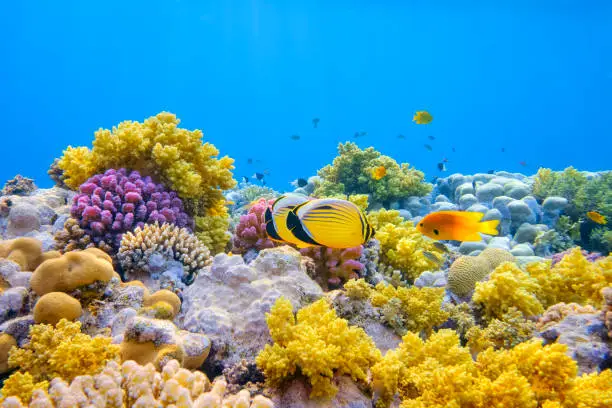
<point x="335" y="266"/>
<point x="251" y="230"/>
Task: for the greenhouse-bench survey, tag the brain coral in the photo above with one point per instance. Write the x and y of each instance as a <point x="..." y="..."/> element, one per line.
<point x="167" y="240"/>
<point x="115" y="202"/>
<point x="351" y="173"/>
<point x="467" y="270"/>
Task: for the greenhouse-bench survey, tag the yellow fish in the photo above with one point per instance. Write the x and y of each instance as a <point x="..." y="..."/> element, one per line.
<point x="597" y="217"/>
<point x="276" y="219"/>
<point x="329" y="222"/>
<point x="422" y="118"/>
<point x="379" y="172"/>
<point x="456" y="226"/>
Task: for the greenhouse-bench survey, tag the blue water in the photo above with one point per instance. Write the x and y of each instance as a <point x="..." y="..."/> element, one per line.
<point x="535" y="79"/>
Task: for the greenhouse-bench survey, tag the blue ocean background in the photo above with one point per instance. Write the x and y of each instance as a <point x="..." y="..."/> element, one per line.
<point x="534" y="78"/>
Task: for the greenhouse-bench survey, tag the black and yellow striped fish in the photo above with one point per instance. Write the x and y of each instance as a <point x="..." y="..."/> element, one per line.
<point x="276" y="219"/>
<point x="329" y="222"/>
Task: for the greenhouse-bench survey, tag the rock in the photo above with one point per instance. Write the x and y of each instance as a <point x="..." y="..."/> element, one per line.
<point x="477" y="208"/>
<point x="465" y="188"/>
<point x="524" y="260"/>
<point x="516" y="190"/>
<point x="499" y="242"/>
<point x="468" y="247"/>
<point x="441" y="198"/>
<point x="12" y="302"/>
<point x="520" y="213"/>
<point x="405" y="214"/>
<point x="554" y="204"/>
<point x="431" y="279"/>
<point x="467" y="200"/>
<point x="493" y="214"/>
<point x="522" y="250"/>
<point x="23" y="218"/>
<point x="487" y="192"/>
<point x="19" y="328"/>
<point x="394" y="205"/>
<point x="416" y="205"/>
<point x="296" y="394"/>
<point x="442" y="206"/>
<point x="228" y="300"/>
<point x="526" y="233"/>
<point x="533" y="206"/>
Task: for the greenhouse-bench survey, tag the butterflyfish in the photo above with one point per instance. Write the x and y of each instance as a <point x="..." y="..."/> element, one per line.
<point x="329" y="222"/>
<point x="422" y="118"/>
<point x="457" y="226"/>
<point x="276" y="219"/>
<point x="379" y="172"/>
<point x="597" y="217"/>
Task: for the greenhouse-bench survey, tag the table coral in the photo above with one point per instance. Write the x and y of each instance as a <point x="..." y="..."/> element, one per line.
<point x="251" y="230"/>
<point x="508" y="286"/>
<point x="318" y="343"/>
<point x="169" y="154"/>
<point x="168" y="241"/>
<point x="115" y="202"/>
<point x="351" y="173"/>
<point x="401" y="245"/>
<point x="62" y="351"/>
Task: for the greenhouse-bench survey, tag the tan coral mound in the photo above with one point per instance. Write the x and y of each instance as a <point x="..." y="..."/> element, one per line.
<point x="25" y="252"/>
<point x="55" y="306"/>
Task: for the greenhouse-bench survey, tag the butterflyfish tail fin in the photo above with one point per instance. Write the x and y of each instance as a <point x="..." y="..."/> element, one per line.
<point x="489" y="227"/>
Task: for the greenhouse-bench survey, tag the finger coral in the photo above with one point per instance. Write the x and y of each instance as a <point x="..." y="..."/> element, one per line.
<point x="134" y="385"/>
<point x="401" y="245"/>
<point x="115" y="202"/>
<point x="351" y="173"/>
<point x="334" y="266"/>
<point x="251" y="230"/>
<point x="168" y="241"/>
<point x="316" y="342"/>
<point x="508" y="286"/>
<point x="62" y="351"/>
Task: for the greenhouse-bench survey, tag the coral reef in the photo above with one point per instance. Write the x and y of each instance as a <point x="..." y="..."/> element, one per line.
<point x="147" y="251"/>
<point x="506" y="332"/>
<point x="251" y="230"/>
<point x="55" y="306"/>
<point x="351" y="173"/>
<point x="334" y="266"/>
<point x="18" y="186"/>
<point x="110" y="204"/>
<point x="318" y="343"/>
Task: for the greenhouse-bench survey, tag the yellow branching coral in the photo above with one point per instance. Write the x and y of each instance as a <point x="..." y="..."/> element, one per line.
<point x="573" y="280"/>
<point x="21" y="385"/>
<point x="401" y="245"/>
<point x="358" y="289"/>
<point x="62" y="351"/>
<point x="439" y="373"/>
<point x="212" y="230"/>
<point x="508" y="286"/>
<point x="317" y="342"/>
<point x="506" y="332"/>
<point x="414" y="309"/>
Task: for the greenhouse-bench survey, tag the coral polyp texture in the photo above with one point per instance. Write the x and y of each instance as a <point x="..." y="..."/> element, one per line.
<point x="335" y="266"/>
<point x="112" y="203"/>
<point x="251" y="229"/>
<point x="139" y="249"/>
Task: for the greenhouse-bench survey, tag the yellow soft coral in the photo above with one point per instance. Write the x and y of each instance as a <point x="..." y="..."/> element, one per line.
<point x="414" y="309"/>
<point x="62" y="351"/>
<point x="591" y="391"/>
<point x="401" y="245"/>
<point x="508" y="286"/>
<point x="573" y="280"/>
<point x="212" y="229"/>
<point x="21" y="385"/>
<point x="317" y="342"/>
<point x="506" y="332"/>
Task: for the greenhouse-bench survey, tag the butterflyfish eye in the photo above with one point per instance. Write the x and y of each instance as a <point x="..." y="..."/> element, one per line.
<point x="436" y="232"/>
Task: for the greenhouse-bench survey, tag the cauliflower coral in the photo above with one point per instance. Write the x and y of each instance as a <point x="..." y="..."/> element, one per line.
<point x="317" y="342"/>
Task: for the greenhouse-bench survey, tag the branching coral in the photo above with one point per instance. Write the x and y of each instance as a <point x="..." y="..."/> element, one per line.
<point x="212" y="229"/>
<point x="113" y="203"/>
<point x="410" y="309"/>
<point x="62" y="351"/>
<point x="169" y="241"/>
<point x="439" y="373"/>
<point x="316" y="342"/>
<point x="251" y="230"/>
<point x="572" y="280"/>
<point x="508" y="286"/>
<point x="351" y="173"/>
<point x="334" y="266"/>
<point x="401" y="245"/>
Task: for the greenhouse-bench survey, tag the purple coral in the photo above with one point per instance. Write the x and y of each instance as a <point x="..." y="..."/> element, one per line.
<point x="590" y="256"/>
<point x="112" y="203"/>
<point x="251" y="230"/>
<point x="335" y="266"/>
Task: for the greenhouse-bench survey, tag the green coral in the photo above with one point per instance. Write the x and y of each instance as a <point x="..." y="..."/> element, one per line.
<point x="508" y="286"/>
<point x="318" y="343"/>
<point x="351" y="173"/>
<point x="62" y="351"/>
<point x="401" y="244"/>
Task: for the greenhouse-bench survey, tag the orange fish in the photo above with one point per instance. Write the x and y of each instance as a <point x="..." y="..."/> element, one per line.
<point x="456" y="226"/>
<point x="379" y="172"/>
<point x="597" y="217"/>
